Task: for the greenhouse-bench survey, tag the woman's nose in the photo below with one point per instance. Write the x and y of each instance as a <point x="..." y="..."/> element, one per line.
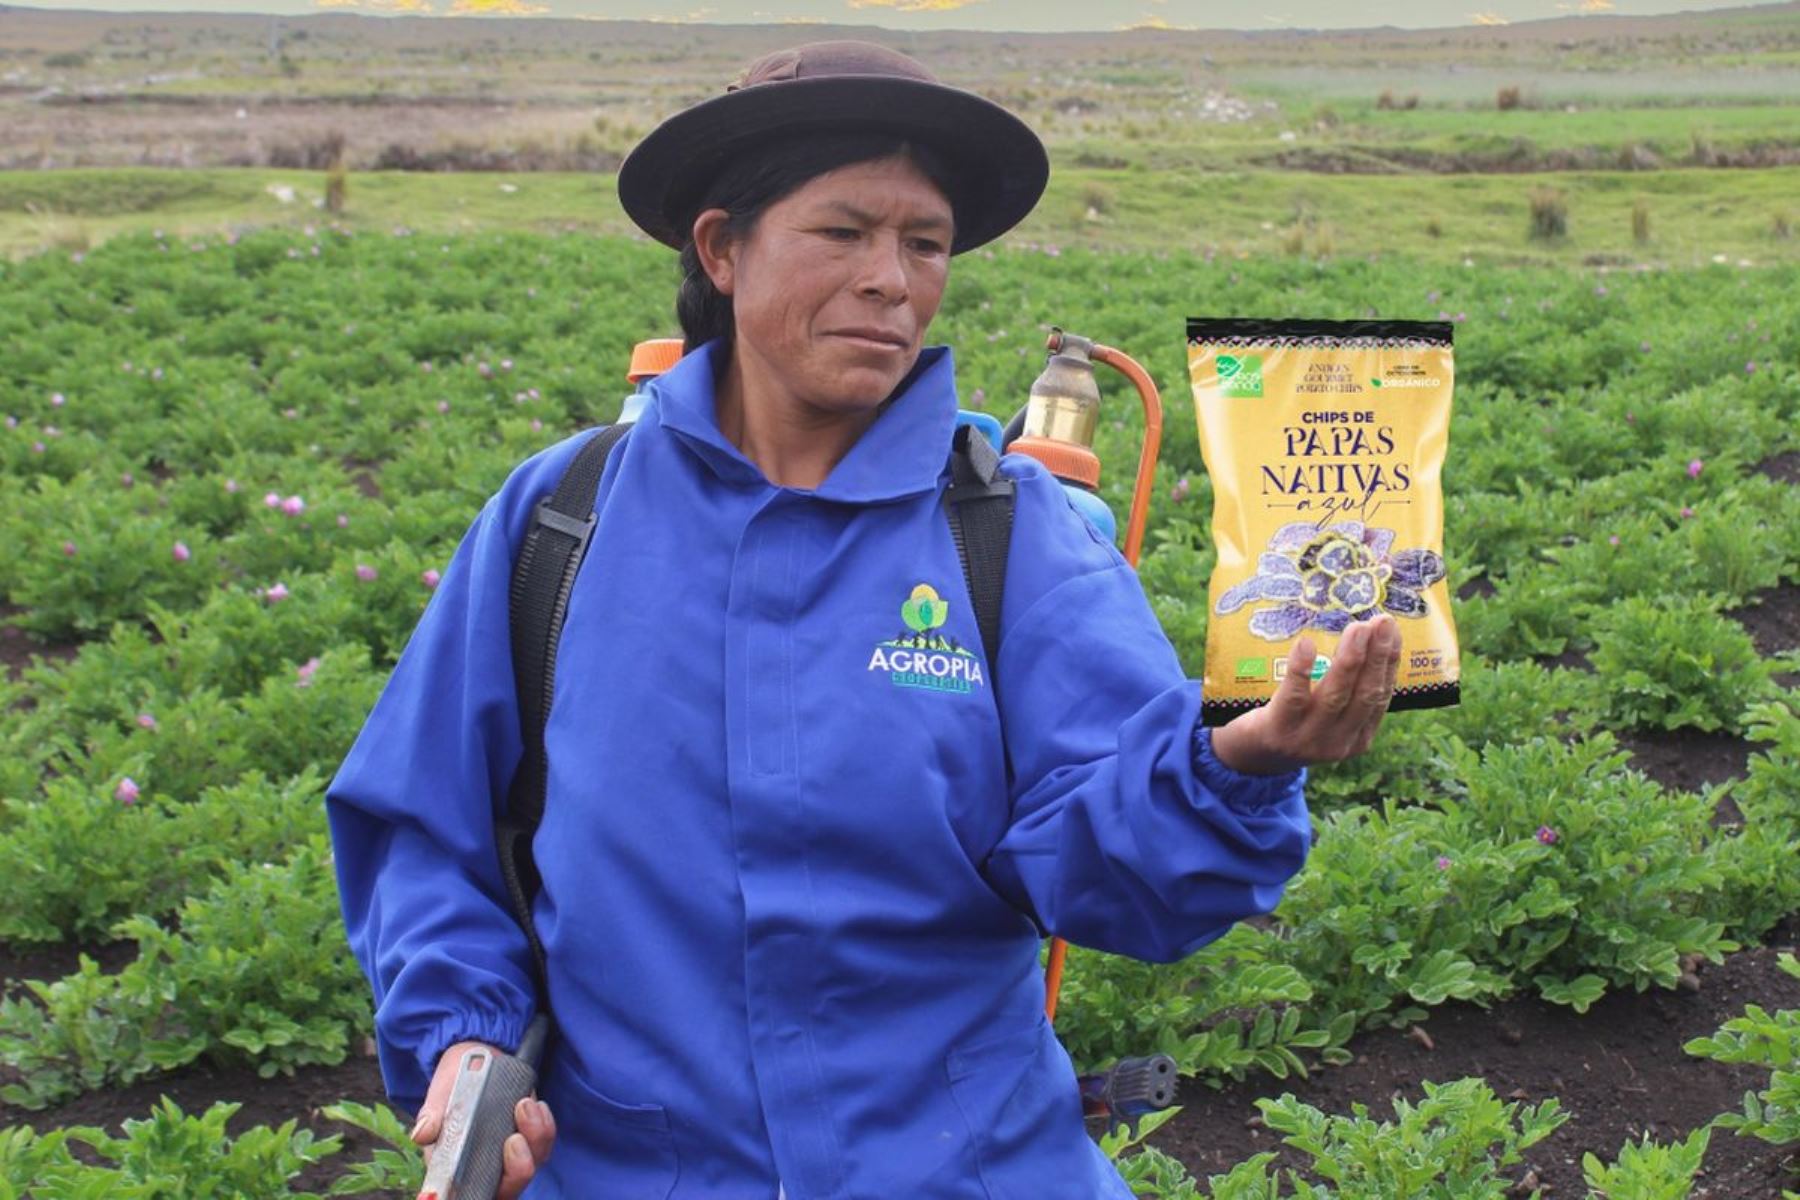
<point x="882" y="271"/>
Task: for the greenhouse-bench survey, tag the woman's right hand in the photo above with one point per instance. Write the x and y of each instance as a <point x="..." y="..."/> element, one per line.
<point x="525" y="1150"/>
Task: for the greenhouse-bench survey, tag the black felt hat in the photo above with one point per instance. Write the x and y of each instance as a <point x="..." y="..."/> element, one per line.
<point x="830" y="86"/>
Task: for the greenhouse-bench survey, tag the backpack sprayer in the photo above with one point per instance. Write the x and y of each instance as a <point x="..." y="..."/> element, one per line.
<point x="1056" y="427"/>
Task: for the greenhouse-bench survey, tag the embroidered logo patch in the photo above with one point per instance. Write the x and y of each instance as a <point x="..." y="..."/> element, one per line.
<point x="923" y="657"/>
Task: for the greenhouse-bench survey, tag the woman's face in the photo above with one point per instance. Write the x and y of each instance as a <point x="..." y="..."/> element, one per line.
<point x="836" y="283"/>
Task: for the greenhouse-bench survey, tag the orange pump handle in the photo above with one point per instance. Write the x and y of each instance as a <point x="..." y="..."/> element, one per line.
<point x="1134" y="542"/>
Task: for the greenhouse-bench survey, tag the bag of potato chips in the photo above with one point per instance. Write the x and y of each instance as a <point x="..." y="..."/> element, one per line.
<point x="1324" y="441"/>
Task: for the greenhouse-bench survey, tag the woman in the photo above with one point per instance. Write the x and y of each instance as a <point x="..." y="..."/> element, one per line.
<point x="792" y="910"/>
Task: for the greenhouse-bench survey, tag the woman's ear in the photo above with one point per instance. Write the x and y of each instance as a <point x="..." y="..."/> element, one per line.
<point x="717" y="248"/>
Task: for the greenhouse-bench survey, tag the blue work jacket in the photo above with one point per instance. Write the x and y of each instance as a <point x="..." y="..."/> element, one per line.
<point x="801" y="837"/>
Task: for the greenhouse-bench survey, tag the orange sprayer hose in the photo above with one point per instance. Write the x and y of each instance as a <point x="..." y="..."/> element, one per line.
<point x="1134" y="542"/>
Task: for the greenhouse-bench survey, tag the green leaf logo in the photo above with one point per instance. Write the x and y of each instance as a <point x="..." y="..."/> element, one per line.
<point x="924" y="610"/>
<point x="1374" y="383"/>
<point x="1240" y="375"/>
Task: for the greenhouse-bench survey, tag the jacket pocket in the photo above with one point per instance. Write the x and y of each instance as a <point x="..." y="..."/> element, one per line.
<point x="1017" y="1091"/>
<point x="603" y="1147"/>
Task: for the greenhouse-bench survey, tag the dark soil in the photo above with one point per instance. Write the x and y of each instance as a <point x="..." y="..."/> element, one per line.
<point x="1619" y="1072"/>
<point x="1783" y="467"/>
<point x="1687" y="759"/>
<point x="362" y="474"/>
<point x="1570" y="659"/>
<point x="1479" y="585"/>
<point x="1772" y="616"/>
<point x="17" y="647"/>
<point x="52" y="962"/>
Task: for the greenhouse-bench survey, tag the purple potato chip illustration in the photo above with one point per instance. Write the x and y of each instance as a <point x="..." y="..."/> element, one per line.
<point x="1332" y="620"/>
<point x="1417" y="568"/>
<point x="1325" y="577"/>
<point x="1404" y="602"/>
<point x="1279" y="624"/>
<point x="1356" y="590"/>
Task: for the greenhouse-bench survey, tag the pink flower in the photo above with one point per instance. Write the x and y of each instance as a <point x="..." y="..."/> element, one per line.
<point x="425" y="367"/>
<point x="37" y="447"/>
<point x="1695" y="466"/>
<point x="1443" y="863"/>
<point x="69" y="549"/>
<point x="1644" y="346"/>
<point x="1546" y="835"/>
<point x="366" y="573"/>
<point x="533" y="392"/>
<point x="306" y="671"/>
<point x="1433" y="297"/>
<point x="1686" y="511"/>
<point x="272" y="499"/>
<point x="278" y="592"/>
<point x="485" y="371"/>
<point x="126" y="479"/>
<point x="126" y="792"/>
<point x="536" y="425"/>
<point x="181" y="552"/>
<point x="146" y="721"/>
<point x="1179" y="492"/>
<point x="506" y="364"/>
<point x="52" y="431"/>
<point x="1749" y="368"/>
<point x="443" y="406"/>
<point x="1613" y="540"/>
<point x="293" y="506"/>
<point x="231" y="485"/>
<point x="57" y="399"/>
<point x="343" y="521"/>
<point x="1631" y="418"/>
<point x="12" y="422"/>
<point x="430" y="578"/>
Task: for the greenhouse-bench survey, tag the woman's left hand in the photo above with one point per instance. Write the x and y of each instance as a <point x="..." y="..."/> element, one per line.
<point x="1301" y="724"/>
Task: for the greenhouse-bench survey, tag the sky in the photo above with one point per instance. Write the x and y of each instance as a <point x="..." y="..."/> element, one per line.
<point x="1014" y="15"/>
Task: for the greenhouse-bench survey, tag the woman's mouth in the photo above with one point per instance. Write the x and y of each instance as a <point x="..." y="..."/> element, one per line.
<point x="869" y="343"/>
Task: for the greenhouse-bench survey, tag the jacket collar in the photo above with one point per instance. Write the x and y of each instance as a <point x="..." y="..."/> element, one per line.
<point x="902" y="454"/>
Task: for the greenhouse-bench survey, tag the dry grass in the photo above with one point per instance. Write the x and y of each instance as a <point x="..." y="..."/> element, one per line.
<point x="1549" y="214"/>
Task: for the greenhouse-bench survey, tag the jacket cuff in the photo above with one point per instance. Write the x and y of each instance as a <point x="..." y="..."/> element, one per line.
<point x="1246" y="793"/>
<point x="502" y="1031"/>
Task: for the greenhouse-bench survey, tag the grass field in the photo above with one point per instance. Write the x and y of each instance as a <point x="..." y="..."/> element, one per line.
<point x="1672" y="140"/>
<point x="1694" y="216"/>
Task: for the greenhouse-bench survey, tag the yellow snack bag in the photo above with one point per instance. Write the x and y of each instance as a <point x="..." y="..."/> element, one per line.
<point x="1324" y="441"/>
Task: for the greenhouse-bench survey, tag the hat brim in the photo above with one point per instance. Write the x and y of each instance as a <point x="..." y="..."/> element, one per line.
<point x="1002" y="164"/>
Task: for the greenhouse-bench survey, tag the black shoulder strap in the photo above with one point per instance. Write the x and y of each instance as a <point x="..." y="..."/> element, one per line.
<point x="979" y="506"/>
<point x="543" y="576"/>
